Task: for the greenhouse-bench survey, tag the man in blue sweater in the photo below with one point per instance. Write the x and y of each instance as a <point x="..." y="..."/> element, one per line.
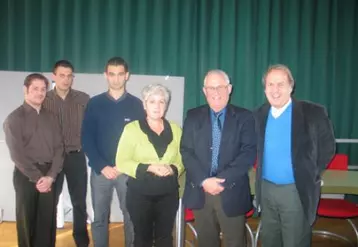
<point x="295" y="144"/>
<point x="105" y="117"/>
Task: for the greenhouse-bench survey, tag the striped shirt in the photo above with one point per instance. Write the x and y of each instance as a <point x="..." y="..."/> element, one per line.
<point x="69" y="112"/>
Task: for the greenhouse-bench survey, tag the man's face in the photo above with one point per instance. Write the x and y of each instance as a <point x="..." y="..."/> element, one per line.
<point x="116" y="77"/>
<point x="63" y="78"/>
<point x="35" y="93"/>
<point x="217" y="91"/>
<point x="277" y="88"/>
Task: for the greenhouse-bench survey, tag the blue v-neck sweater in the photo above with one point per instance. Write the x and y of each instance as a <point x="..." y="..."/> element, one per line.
<point x="103" y="125"/>
<point x="277" y="159"/>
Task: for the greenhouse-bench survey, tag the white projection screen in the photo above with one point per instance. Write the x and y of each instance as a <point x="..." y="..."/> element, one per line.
<point x="12" y="96"/>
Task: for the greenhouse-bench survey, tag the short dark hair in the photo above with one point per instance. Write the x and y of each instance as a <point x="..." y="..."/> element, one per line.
<point x="35" y="76"/>
<point x="63" y="63"/>
<point x="116" y="61"/>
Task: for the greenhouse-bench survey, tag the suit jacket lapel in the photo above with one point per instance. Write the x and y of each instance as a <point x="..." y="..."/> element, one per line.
<point x="206" y="132"/>
<point x="264" y="111"/>
<point x="229" y="125"/>
<point x="297" y="128"/>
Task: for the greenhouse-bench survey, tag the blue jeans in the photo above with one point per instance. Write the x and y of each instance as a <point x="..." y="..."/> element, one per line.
<point x="102" y="191"/>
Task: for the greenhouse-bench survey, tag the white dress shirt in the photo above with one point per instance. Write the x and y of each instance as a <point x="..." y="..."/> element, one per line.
<point x="276" y="112"/>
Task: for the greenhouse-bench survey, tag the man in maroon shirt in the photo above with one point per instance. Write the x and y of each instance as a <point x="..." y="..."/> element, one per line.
<point x="34" y="140"/>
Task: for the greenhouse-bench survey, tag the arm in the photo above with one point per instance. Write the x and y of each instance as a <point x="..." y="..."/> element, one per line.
<point x="57" y="161"/>
<point x="246" y="156"/>
<point x="14" y="141"/>
<point x="125" y="152"/>
<point x="88" y="137"/>
<point x="189" y="158"/>
<point x="178" y="163"/>
<point x="326" y="141"/>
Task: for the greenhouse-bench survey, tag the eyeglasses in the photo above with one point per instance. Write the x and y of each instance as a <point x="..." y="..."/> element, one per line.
<point x="63" y="76"/>
<point x="218" y="89"/>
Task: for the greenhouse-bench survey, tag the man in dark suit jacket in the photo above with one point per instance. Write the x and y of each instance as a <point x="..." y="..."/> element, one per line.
<point x="218" y="148"/>
<point x="295" y="144"/>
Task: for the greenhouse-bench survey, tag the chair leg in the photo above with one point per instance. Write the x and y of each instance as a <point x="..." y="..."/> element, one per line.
<point x="195" y="234"/>
<point x="332" y="234"/>
<point x="192" y="229"/>
<point x="190" y="243"/>
<point x="318" y="232"/>
<point x="252" y="239"/>
<point x="354" y="229"/>
<point x="257" y="233"/>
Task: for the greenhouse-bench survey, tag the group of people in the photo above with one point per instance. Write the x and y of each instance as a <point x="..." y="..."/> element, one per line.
<point x="131" y="147"/>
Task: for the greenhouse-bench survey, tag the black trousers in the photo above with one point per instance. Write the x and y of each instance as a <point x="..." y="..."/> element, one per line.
<point x="75" y="170"/>
<point x="153" y="217"/>
<point x="35" y="213"/>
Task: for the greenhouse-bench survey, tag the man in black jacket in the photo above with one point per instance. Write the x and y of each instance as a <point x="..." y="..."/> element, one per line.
<point x="295" y="144"/>
<point x="218" y="148"/>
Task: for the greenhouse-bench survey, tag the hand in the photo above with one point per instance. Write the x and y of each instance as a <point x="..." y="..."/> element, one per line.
<point x="169" y="169"/>
<point x="160" y="170"/>
<point x="110" y="172"/>
<point x="213" y="185"/>
<point x="44" y="184"/>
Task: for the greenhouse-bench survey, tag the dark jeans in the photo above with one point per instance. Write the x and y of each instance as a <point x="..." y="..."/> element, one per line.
<point x="153" y="217"/>
<point x="75" y="169"/>
<point x="35" y="213"/>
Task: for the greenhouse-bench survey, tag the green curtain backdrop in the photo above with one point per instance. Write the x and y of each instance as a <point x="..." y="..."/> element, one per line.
<point x="317" y="39"/>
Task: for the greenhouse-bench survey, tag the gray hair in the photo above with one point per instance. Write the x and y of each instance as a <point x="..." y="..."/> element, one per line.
<point x="156" y="89"/>
<point x="218" y="72"/>
<point x="283" y="68"/>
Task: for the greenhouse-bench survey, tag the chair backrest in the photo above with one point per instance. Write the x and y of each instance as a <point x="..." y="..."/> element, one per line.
<point x="189" y="215"/>
<point x="339" y="162"/>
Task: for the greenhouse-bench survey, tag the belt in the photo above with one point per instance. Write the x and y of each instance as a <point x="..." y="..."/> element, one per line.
<point x="74" y="151"/>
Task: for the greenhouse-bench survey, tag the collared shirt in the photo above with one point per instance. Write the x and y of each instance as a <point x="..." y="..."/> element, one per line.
<point x="121" y="98"/>
<point x="216" y="137"/>
<point x="69" y="112"/>
<point x="221" y="117"/>
<point x="276" y="112"/>
<point x="34" y="137"/>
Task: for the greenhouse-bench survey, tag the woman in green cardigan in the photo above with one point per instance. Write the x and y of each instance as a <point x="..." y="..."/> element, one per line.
<point x="148" y="152"/>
